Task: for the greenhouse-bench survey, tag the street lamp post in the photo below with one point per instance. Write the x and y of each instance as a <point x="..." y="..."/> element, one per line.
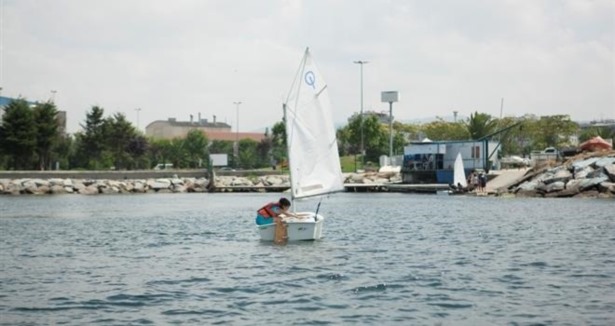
<point x="237" y="134"/>
<point x="390" y="97"/>
<point x="361" y="63"/>
<point x="53" y="96"/>
<point x="138" y="110"/>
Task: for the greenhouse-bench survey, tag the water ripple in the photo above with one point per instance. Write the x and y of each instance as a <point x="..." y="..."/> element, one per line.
<point x="168" y="259"/>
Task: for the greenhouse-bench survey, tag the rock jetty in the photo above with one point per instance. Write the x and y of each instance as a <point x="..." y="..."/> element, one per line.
<point x="38" y="186"/>
<point x="585" y="175"/>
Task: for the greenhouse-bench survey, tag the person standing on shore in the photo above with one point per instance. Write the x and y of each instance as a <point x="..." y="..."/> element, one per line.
<point x="482" y="181"/>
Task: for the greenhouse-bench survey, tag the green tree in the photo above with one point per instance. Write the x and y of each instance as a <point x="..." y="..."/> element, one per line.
<point x="91" y="142"/>
<point x="45" y="120"/>
<point x="64" y="151"/>
<point x="196" y="146"/>
<point x="591" y="132"/>
<point x="444" y="130"/>
<point x="248" y="154"/>
<point x="480" y="125"/>
<point x="376" y="139"/>
<point x="375" y="135"/>
<point x="553" y="131"/>
<point x="18" y="131"/>
<point x="279" y="151"/>
<point x="119" y="133"/>
<point x="512" y="140"/>
<point x="137" y="149"/>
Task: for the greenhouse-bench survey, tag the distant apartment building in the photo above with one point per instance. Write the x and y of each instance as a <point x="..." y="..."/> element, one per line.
<point x="213" y="130"/>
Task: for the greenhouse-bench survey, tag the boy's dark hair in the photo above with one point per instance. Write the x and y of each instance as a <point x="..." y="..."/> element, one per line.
<point x="284" y="202"/>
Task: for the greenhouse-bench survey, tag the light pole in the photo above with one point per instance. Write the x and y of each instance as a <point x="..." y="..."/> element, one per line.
<point x="138" y="110"/>
<point x="361" y="63"/>
<point x="237" y="134"/>
<point x="53" y="95"/>
<point x="390" y="97"/>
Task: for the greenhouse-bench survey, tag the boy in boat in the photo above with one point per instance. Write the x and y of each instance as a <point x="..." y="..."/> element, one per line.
<point x="271" y="212"/>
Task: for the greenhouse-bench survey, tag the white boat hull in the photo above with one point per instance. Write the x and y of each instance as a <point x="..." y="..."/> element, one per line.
<point x="304" y="229"/>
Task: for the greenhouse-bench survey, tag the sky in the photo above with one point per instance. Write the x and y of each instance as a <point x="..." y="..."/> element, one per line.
<point x="152" y="60"/>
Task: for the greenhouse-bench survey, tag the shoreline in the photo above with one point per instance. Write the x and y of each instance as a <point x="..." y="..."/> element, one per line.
<point x="588" y="175"/>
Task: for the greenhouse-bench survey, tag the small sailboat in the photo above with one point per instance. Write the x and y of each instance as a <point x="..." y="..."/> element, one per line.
<point x="460" y="183"/>
<point x="314" y="161"/>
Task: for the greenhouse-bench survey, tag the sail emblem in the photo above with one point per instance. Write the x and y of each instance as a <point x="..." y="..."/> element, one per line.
<point x="310" y="79"/>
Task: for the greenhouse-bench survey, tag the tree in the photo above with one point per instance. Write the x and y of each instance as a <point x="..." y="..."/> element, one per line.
<point x="553" y="131"/>
<point x="248" y="154"/>
<point x="196" y="146"/>
<point x="64" y="150"/>
<point x="480" y="125"/>
<point x="45" y="120"/>
<point x="137" y="149"/>
<point x="444" y="130"/>
<point x="374" y="136"/>
<point x="279" y="151"/>
<point x="591" y="132"/>
<point x="515" y="139"/>
<point x="18" y="140"/>
<point x="91" y="142"/>
<point x="119" y="133"/>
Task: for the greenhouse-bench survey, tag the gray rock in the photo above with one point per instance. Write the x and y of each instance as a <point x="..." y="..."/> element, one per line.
<point x="78" y="186"/>
<point x="605" y="161"/>
<point x="139" y="187"/>
<point x="555" y="186"/>
<point x="586" y="184"/>
<point x="57" y="189"/>
<point x="580" y="165"/>
<point x="176" y="181"/>
<point x="527" y="186"/>
<point x="587" y="194"/>
<point x="607" y="187"/>
<point x="582" y="173"/>
<point x="56" y="182"/>
<point x="89" y="190"/>
<point x="610" y="171"/>
<point x="159" y="184"/>
<point x="562" y="175"/>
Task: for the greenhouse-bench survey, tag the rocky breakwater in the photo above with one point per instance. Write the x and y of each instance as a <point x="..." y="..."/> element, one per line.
<point x="92" y="187"/>
<point x="37" y="186"/>
<point x="586" y="175"/>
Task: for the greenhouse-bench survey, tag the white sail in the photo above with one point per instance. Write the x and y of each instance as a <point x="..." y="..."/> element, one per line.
<point x="459" y="175"/>
<point x="312" y="145"/>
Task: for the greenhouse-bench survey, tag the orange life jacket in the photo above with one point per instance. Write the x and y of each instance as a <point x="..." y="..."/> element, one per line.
<point x="267" y="210"/>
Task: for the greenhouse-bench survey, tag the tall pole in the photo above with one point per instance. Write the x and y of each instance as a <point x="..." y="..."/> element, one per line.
<point x="391" y="130"/>
<point x="53" y="96"/>
<point x="138" y="110"/>
<point x="361" y="63"/>
<point x="237" y="134"/>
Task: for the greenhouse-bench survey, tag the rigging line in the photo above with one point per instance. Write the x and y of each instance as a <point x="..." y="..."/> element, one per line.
<point x="317" y="208"/>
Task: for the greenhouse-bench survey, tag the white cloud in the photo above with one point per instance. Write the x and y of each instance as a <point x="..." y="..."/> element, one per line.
<point x="173" y="59"/>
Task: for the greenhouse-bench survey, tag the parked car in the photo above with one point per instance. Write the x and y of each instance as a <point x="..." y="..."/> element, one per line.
<point x="165" y="166"/>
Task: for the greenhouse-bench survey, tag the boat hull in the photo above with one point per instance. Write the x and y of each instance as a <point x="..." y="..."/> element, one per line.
<point x="304" y="229"/>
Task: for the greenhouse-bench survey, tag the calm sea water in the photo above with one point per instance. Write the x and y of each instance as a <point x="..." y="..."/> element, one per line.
<point x="386" y="259"/>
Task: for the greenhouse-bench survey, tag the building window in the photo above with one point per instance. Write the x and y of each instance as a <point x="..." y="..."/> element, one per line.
<point x="476" y="152"/>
